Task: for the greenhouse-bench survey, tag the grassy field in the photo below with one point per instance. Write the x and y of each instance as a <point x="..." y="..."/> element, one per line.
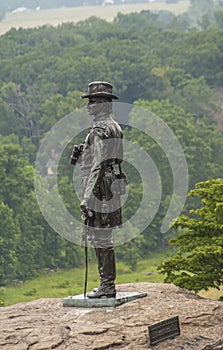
<point x="63" y="283"/>
<point x="212" y="293"/>
<point x="57" y="16"/>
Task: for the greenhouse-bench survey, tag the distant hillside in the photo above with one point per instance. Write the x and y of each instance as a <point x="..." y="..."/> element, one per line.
<point x="36" y="18"/>
<point x="11" y="5"/>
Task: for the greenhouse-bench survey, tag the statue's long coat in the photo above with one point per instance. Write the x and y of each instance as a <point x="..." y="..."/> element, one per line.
<point x="102" y="152"/>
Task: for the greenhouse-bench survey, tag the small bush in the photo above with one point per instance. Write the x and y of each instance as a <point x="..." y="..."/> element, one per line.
<point x="30" y="292"/>
<point x="62" y="285"/>
<point x="2" y="297"/>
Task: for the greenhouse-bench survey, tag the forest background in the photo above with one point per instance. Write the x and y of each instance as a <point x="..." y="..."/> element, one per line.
<point x="170" y="65"/>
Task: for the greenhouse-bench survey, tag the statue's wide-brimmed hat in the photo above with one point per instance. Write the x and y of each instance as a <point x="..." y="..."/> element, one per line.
<point x="100" y="89"/>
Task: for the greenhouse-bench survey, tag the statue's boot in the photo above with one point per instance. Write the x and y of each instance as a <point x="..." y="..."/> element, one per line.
<point x="107" y="273"/>
<point x="100" y="267"/>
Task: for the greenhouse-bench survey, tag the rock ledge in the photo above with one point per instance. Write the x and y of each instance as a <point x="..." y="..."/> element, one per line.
<point x="45" y="324"/>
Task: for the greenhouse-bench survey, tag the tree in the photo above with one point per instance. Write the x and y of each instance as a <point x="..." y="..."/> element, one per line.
<point x="202" y="144"/>
<point x="58" y="106"/>
<point x="219" y="19"/>
<point x="199" y="8"/>
<point x="9" y="233"/>
<point x="27" y="243"/>
<point x="201" y="141"/>
<point x="198" y="263"/>
<point x="23" y="108"/>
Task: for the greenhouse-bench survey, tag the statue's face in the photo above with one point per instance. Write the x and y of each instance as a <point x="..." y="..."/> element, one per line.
<point x="97" y="106"/>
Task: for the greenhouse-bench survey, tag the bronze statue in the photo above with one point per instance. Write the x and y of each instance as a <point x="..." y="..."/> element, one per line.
<point x="100" y="156"/>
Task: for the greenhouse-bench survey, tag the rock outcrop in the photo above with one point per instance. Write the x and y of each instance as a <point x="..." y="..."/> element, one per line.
<point x="46" y="324"/>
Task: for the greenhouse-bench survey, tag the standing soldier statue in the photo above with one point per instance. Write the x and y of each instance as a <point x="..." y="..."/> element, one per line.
<point x="100" y="156"/>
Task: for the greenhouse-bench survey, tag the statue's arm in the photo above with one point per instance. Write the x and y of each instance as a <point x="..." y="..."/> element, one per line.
<point x="98" y="149"/>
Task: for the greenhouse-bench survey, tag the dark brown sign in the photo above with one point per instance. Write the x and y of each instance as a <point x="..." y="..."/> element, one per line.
<point x="164" y="330"/>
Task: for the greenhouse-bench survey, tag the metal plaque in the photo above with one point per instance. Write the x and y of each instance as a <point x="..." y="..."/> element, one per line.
<point x="164" y="330"/>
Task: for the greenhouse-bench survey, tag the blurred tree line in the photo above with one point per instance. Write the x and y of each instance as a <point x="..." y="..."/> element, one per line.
<point x="161" y="66"/>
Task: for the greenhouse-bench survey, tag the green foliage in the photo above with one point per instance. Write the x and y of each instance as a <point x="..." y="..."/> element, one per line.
<point x="9" y="234"/>
<point x="31" y="292"/>
<point x="60" y="284"/>
<point x="154" y="61"/>
<point x="201" y="142"/>
<point x="200" y="8"/>
<point x="27" y="244"/>
<point x="199" y="261"/>
<point x="203" y="148"/>
<point x="205" y="14"/>
<point x="2" y="297"/>
<point x="129" y="254"/>
<point x="219" y="19"/>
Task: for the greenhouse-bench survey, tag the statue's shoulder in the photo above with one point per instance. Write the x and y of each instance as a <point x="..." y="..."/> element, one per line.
<point x="100" y="125"/>
<point x="107" y="128"/>
<point x="100" y="128"/>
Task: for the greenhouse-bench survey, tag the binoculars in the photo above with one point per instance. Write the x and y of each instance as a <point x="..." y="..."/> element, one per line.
<point x="76" y="153"/>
